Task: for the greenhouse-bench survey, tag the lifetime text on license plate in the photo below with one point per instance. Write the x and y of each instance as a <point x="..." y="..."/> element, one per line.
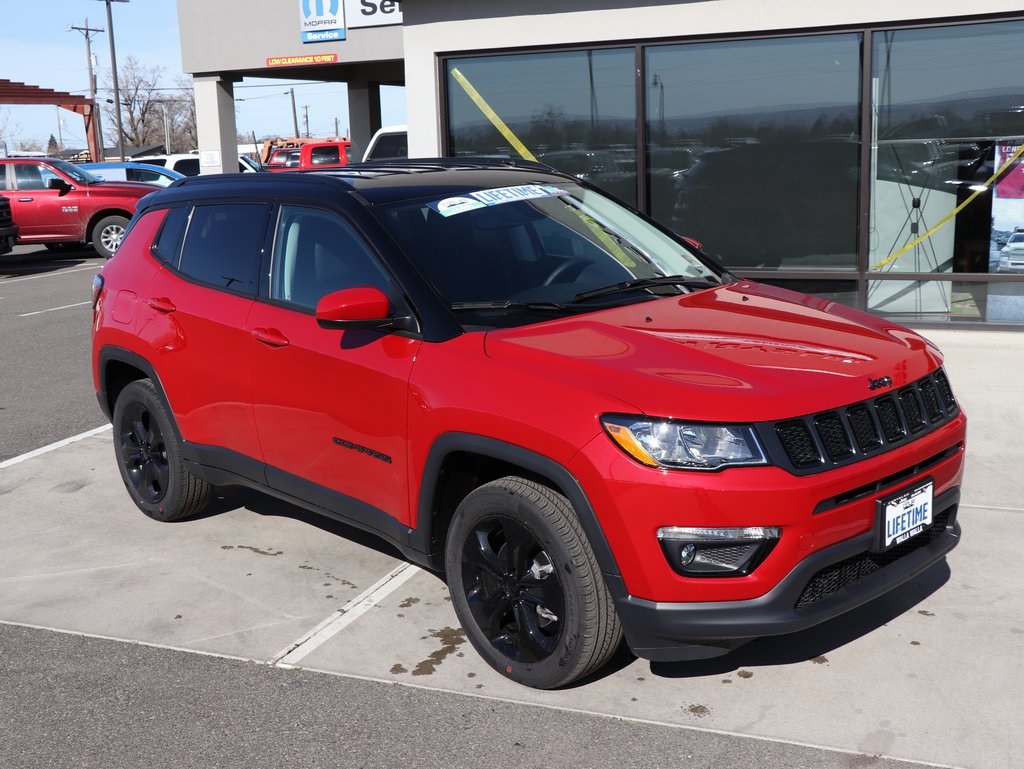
<point x="908" y="514"/>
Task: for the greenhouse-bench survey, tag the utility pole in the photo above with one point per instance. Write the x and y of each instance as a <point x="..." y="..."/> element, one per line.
<point x="295" y="116"/>
<point x="113" y="72"/>
<point x="305" y="109"/>
<point x="87" y="33"/>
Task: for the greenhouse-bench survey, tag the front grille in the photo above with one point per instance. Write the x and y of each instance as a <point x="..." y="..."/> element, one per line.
<point x="818" y="442"/>
<point x="834" y="578"/>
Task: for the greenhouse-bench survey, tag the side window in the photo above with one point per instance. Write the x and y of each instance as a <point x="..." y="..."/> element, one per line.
<point x="167" y="246"/>
<point x="140" y="175"/>
<point x="187" y="166"/>
<point x="321" y="155"/>
<point x="316" y="252"/>
<point x="29" y="176"/>
<point x="391" y="146"/>
<point x="223" y="245"/>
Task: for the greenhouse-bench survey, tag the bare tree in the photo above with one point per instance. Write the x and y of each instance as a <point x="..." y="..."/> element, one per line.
<point x="8" y="127"/>
<point x="185" y="133"/>
<point x="151" y="114"/>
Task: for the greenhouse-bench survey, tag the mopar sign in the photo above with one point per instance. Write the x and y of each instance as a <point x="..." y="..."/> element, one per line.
<point x="321" y="21"/>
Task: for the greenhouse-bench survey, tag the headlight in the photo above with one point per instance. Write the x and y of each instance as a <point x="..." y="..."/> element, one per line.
<point x="684" y="445"/>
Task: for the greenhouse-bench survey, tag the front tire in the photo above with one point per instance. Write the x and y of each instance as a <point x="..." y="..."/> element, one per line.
<point x="106" y="235"/>
<point x="149" y="456"/>
<point x="526" y="586"/>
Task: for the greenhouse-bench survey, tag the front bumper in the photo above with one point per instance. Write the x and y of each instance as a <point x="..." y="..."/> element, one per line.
<point x="8" y="238"/>
<point x="822" y="586"/>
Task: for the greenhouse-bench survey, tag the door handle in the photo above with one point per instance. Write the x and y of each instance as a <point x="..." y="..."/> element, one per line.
<point x="161" y="304"/>
<point x="25" y="200"/>
<point x="270" y="336"/>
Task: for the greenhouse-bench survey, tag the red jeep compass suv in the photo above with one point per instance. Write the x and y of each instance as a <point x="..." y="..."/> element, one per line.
<point x="591" y="428"/>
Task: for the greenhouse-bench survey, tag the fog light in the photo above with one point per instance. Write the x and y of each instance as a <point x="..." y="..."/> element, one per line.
<point x="709" y="552"/>
<point x="687" y="554"/>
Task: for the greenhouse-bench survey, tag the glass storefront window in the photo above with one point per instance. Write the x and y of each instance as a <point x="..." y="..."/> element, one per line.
<point x="934" y="301"/>
<point x="947" y="188"/>
<point x="754" y="148"/>
<point x="575" y="111"/>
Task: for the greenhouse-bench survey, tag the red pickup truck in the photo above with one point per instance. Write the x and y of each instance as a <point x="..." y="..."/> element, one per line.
<point x="58" y="204"/>
<point x="314" y="155"/>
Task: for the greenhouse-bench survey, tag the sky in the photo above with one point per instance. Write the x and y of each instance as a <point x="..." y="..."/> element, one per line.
<point x="38" y="46"/>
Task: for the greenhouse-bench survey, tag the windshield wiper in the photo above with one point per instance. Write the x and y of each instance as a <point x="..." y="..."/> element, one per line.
<point x="507" y="304"/>
<point x="639" y="283"/>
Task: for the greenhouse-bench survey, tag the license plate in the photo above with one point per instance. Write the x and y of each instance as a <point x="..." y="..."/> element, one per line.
<point x="906" y="514"/>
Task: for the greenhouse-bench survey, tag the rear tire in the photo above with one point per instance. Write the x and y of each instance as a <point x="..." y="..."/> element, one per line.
<point x="526" y="586"/>
<point x="106" y="235"/>
<point x="149" y="456"/>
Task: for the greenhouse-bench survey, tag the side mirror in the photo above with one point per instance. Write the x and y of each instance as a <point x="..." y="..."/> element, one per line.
<point x="60" y="185"/>
<point x="363" y="307"/>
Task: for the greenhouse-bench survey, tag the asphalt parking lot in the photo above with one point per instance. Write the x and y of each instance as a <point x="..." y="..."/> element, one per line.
<point x="930" y="675"/>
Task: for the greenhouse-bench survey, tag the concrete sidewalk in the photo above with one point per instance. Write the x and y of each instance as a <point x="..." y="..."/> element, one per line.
<point x="932" y="673"/>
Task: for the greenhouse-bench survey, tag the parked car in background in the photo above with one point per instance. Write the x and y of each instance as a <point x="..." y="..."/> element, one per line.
<point x="311" y="156"/>
<point x="388" y="142"/>
<point x="57" y="204"/>
<point x="590" y="428"/>
<point x="133" y="172"/>
<point x="188" y="163"/>
<point x="282" y="158"/>
<point x="1011" y="256"/>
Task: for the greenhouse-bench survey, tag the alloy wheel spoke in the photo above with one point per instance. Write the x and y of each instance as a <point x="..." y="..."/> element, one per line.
<point x="482" y="555"/>
<point x="489" y="608"/>
<point x="531" y="636"/>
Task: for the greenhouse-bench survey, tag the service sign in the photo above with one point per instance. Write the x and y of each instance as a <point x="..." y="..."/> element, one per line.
<point x="372" y="13"/>
<point x="321" y="21"/>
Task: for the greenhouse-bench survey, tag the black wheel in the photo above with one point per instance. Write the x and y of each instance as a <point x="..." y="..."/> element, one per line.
<point x="106" y="235"/>
<point x="149" y="456"/>
<point x="526" y="586"/>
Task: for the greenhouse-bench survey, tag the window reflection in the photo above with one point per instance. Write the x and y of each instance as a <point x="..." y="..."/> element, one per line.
<point x="948" y="190"/>
<point x="934" y="301"/>
<point x="754" y="148"/>
<point x="575" y="111"/>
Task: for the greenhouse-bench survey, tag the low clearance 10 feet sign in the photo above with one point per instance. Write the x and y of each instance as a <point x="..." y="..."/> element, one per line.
<point x="323" y="21"/>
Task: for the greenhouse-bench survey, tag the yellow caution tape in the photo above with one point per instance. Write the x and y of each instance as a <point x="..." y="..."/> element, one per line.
<point x="950" y="216"/>
<point x="491" y="115"/>
<point x="614" y="248"/>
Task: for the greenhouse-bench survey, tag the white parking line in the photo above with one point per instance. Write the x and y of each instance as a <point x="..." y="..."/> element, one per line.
<point x="53" y="446"/>
<point x="345" y="616"/>
<point x="54" y="309"/>
<point x="93" y="268"/>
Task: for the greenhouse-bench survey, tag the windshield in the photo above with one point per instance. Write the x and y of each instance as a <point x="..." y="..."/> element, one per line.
<point x="541" y="248"/>
<point x="80" y="175"/>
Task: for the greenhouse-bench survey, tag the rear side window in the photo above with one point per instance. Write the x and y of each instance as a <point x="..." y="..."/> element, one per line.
<point x="390" y="146"/>
<point x="224" y="245"/>
<point x="187" y="166"/>
<point x="324" y="155"/>
<point x="167" y="246"/>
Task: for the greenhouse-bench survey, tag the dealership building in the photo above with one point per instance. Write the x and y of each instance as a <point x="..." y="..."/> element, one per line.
<point x="863" y="152"/>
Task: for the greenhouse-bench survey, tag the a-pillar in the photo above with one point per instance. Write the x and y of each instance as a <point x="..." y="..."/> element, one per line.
<point x="215" y="122"/>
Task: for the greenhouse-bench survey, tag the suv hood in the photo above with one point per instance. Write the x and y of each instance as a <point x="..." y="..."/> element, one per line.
<point x="743" y="352"/>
